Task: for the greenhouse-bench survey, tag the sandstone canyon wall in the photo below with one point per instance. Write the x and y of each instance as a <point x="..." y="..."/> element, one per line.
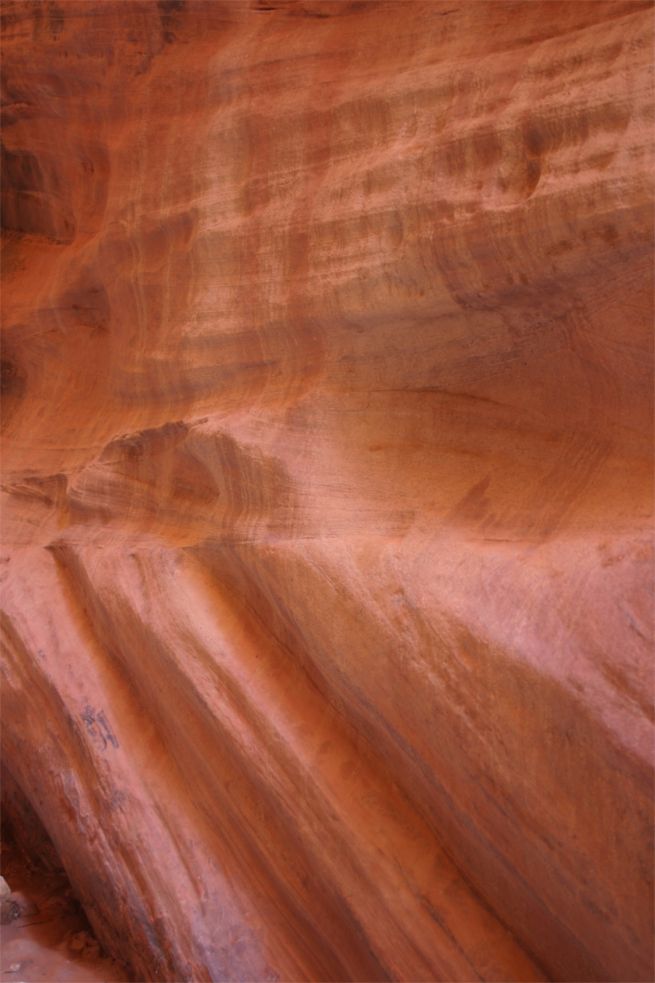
<point x="327" y="474"/>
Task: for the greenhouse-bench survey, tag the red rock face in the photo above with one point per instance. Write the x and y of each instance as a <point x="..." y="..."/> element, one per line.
<point x="327" y="450"/>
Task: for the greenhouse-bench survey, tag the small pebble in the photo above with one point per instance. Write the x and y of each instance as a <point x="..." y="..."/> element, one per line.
<point x="78" y="942"/>
<point x="5" y="890"/>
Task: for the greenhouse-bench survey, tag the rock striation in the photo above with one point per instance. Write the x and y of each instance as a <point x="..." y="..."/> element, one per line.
<point x="327" y="569"/>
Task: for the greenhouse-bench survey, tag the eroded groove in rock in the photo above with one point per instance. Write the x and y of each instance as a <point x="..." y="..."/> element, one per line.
<point x="327" y="562"/>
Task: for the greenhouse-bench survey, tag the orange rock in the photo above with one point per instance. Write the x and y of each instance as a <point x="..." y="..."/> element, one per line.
<point x="328" y="471"/>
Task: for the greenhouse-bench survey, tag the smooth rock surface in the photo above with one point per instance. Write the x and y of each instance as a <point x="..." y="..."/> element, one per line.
<point x="327" y="557"/>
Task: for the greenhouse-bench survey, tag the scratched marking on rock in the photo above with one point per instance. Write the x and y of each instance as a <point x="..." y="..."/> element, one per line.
<point x="98" y="728"/>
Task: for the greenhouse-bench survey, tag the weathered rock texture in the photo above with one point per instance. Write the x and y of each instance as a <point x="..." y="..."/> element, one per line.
<point x="44" y="935"/>
<point x="327" y="470"/>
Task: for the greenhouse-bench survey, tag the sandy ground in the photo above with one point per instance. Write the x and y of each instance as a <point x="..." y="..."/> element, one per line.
<point x="45" y="937"/>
